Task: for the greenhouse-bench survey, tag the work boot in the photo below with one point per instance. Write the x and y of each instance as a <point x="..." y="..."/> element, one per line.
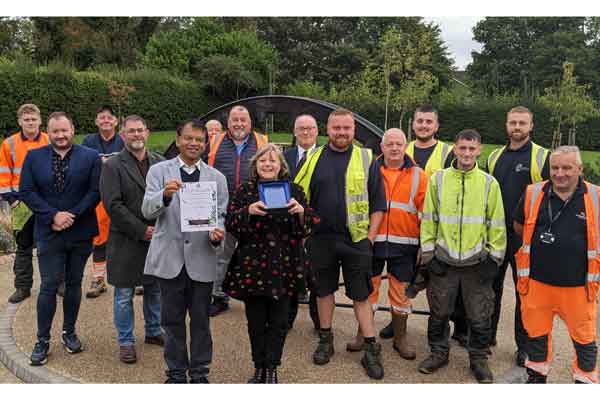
<point x="97" y="287"/>
<point x="535" y="377"/>
<point x="271" y="375"/>
<point x="19" y="295"/>
<point x="358" y="344"/>
<point x="371" y="360"/>
<point x="387" y="332"/>
<point x="432" y="363"/>
<point x="520" y="358"/>
<point x="325" y="349"/>
<point x="259" y="376"/>
<point x="481" y="371"/>
<point x="401" y="344"/>
<point x="127" y="354"/>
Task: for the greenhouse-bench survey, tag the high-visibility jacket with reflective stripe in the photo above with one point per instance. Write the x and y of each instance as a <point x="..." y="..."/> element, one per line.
<point x="463" y="217"/>
<point x="533" y="199"/>
<point x="538" y="158"/>
<point x="436" y="160"/>
<point x="12" y="155"/>
<point x="357" y="195"/>
<point x="405" y="194"/>
<point x="261" y="140"/>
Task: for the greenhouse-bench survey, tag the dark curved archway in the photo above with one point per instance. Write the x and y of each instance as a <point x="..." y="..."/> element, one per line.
<point x="260" y="107"/>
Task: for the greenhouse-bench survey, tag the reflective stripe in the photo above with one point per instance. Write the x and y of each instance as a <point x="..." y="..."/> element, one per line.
<point x="358" y="197"/>
<point x="541" y="367"/>
<point x="365" y="160"/>
<point x="586" y="377"/>
<point x="439" y="180"/>
<point x="445" y="151"/>
<point x="427" y="247"/>
<point x="5" y="190"/>
<point x="526" y="248"/>
<point x="13" y="151"/>
<point x="497" y="223"/>
<point x="593" y="192"/>
<point x="522" y="272"/>
<point x="353" y="218"/>
<point x="410" y="205"/>
<point x="592" y="254"/>
<point x="5" y="170"/>
<point x="455" y="219"/>
<point x="539" y="158"/>
<point x="403" y="206"/>
<point x="593" y="277"/>
<point x="535" y="192"/>
<point x="428" y="217"/>
<point x="457" y="255"/>
<point x="397" y="239"/>
<point x="499" y="254"/>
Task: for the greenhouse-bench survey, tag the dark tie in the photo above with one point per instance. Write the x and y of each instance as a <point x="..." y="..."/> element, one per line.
<point x="301" y="160"/>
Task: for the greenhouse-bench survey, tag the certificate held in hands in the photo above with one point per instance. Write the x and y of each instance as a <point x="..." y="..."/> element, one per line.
<point x="275" y="194"/>
<point x="198" y="206"/>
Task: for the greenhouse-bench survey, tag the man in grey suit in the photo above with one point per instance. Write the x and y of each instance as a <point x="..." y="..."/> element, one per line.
<point x="122" y="187"/>
<point x="184" y="263"/>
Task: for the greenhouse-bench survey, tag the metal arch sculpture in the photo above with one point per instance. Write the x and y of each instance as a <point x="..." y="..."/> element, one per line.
<point x="367" y="133"/>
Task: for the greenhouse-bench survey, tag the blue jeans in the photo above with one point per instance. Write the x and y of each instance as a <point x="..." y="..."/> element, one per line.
<point x="57" y="258"/>
<point x="124" y="317"/>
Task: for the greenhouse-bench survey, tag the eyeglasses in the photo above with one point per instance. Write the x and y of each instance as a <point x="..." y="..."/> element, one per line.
<point x="306" y="128"/>
<point x="138" y="130"/>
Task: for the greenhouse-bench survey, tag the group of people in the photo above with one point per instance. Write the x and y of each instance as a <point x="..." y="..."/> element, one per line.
<point x="422" y="210"/>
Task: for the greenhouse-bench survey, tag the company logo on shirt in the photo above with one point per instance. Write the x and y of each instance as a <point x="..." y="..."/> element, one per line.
<point x="520" y="167"/>
<point x="581" y="215"/>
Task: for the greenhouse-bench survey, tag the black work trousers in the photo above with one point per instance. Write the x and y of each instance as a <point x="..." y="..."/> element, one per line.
<point x="178" y="297"/>
<point x="23" y="266"/>
<point x="478" y="298"/>
<point x="267" y="328"/>
<point x="520" y="332"/>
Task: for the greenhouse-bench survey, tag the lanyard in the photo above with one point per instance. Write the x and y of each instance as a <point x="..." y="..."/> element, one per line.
<point x="554" y="218"/>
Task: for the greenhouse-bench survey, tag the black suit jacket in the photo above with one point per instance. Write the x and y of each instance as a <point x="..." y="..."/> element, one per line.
<point x="291" y="156"/>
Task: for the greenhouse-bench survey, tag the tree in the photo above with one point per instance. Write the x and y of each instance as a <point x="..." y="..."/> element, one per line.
<point x="570" y="105"/>
<point x="16" y="37"/>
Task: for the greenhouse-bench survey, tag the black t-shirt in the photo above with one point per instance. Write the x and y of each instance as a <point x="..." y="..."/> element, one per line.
<point x="327" y="193"/>
<point x="422" y="156"/>
<point x="513" y="173"/>
<point x="563" y="263"/>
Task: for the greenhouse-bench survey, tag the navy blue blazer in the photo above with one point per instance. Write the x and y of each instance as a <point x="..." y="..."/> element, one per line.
<point x="80" y="196"/>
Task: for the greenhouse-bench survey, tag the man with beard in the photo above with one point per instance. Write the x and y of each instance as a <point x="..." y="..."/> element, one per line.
<point x="107" y="143"/>
<point x="230" y="153"/>
<point x="515" y="166"/>
<point x="344" y="186"/>
<point x="59" y="184"/>
<point x="122" y="186"/>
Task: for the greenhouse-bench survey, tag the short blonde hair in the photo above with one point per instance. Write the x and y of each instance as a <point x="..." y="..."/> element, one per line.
<point x="284" y="172"/>
<point x="28" y="109"/>
<point x="520" y="110"/>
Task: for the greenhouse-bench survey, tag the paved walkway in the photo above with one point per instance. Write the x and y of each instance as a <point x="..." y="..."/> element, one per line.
<point x="232" y="363"/>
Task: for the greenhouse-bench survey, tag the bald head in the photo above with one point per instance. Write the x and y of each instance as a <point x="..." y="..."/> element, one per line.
<point x="393" y="147"/>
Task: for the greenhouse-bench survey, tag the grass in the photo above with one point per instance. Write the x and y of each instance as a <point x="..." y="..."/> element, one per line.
<point x="160" y="141"/>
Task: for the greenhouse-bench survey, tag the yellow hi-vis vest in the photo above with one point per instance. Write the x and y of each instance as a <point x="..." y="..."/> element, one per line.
<point x="436" y="160"/>
<point x="538" y="158"/>
<point x="357" y="196"/>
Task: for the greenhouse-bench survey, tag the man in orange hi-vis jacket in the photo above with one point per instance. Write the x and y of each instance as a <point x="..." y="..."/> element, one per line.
<point x="558" y="268"/>
<point x="12" y="154"/>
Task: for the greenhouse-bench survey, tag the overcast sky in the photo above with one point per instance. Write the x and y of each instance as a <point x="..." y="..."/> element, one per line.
<point x="457" y="32"/>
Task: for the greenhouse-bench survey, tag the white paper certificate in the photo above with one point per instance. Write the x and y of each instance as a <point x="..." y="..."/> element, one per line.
<point x="198" y="204"/>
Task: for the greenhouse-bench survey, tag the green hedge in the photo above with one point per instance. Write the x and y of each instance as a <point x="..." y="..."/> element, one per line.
<point x="162" y="99"/>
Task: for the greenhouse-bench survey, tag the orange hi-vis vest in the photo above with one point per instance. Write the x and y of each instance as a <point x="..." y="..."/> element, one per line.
<point x="405" y="194"/>
<point x="533" y="199"/>
<point x="261" y="140"/>
<point x="12" y="155"/>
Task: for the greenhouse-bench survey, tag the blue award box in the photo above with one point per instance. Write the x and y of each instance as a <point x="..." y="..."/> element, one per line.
<point x="275" y="194"/>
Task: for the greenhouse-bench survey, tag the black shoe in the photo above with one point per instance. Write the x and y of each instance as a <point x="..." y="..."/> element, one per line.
<point x="371" y="360"/>
<point x="325" y="349"/>
<point x="387" y="332"/>
<point x="481" y="371"/>
<point x="520" y="358"/>
<point x="202" y="379"/>
<point x="39" y="355"/>
<point x="535" y="377"/>
<point x="173" y="380"/>
<point x="432" y="363"/>
<point x="217" y="307"/>
<point x="19" y="295"/>
<point x="71" y="343"/>
<point x="271" y="375"/>
<point x="259" y="376"/>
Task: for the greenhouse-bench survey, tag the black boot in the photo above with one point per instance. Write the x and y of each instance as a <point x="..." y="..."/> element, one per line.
<point x="271" y="375"/>
<point x="432" y="363"/>
<point x="387" y="332"/>
<point x="481" y="371"/>
<point x="325" y="349"/>
<point x="535" y="377"/>
<point x="19" y="295"/>
<point x="259" y="376"/>
<point x="371" y="360"/>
